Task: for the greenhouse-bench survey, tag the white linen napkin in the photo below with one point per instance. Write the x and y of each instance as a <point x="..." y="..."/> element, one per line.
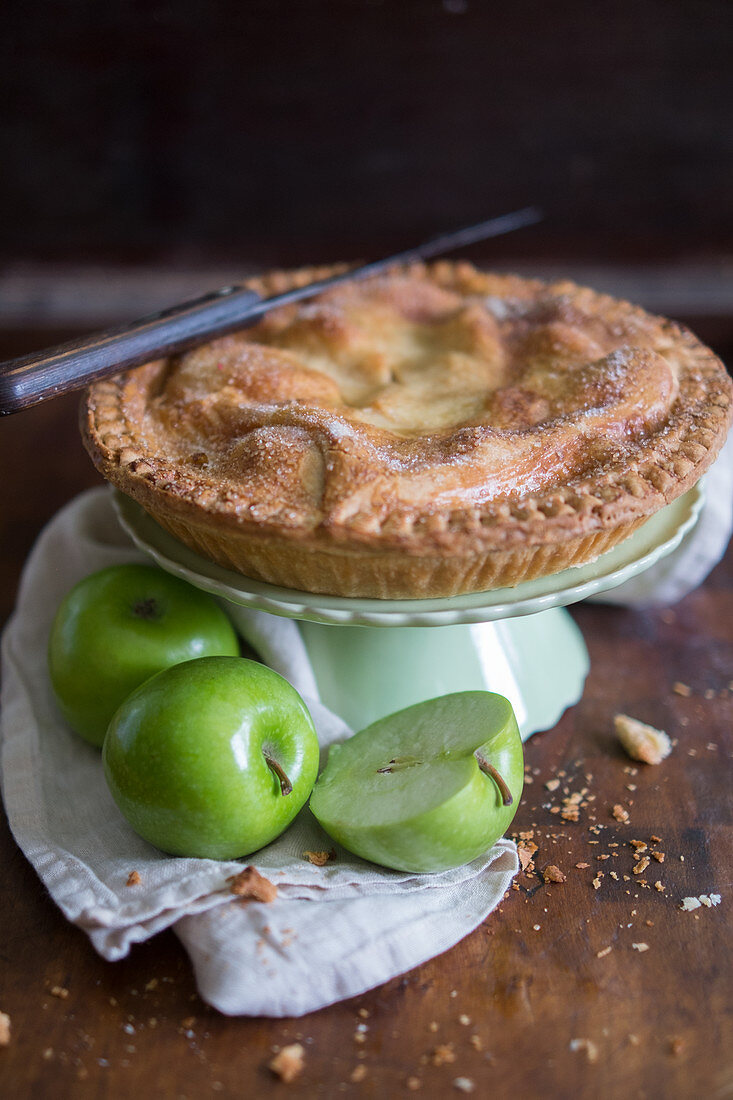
<point x="333" y="931"/>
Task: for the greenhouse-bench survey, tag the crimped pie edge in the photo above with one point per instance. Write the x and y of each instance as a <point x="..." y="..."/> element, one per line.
<point x="665" y="466"/>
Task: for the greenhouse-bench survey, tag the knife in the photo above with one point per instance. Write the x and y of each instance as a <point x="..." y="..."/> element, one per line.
<point x="42" y="375"/>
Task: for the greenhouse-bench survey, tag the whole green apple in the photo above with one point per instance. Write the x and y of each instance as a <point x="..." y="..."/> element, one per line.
<point x="119" y="626"/>
<point x="428" y="788"/>
<point x="211" y="758"/>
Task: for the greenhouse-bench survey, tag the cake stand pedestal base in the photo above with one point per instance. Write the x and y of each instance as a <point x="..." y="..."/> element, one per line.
<point x="538" y="662"/>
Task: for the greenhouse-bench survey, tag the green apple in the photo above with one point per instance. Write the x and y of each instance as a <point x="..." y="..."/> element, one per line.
<point x="428" y="788"/>
<point x="119" y="626"/>
<point x="211" y="758"/>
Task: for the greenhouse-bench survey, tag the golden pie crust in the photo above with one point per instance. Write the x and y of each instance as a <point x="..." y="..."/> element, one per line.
<point x="428" y="432"/>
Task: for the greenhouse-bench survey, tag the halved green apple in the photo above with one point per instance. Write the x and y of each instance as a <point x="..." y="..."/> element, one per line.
<point x="427" y="788"/>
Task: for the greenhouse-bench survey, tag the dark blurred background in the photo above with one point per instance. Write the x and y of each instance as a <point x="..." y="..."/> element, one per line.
<point x="148" y="148"/>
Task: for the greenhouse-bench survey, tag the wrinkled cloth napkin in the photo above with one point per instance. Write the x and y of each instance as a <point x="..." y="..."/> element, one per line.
<point x="333" y="931"/>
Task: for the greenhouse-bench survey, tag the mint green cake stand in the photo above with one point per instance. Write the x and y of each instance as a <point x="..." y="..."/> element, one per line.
<point x="519" y="641"/>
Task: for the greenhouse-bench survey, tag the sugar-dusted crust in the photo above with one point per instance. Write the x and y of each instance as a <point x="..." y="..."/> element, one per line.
<point x="433" y="431"/>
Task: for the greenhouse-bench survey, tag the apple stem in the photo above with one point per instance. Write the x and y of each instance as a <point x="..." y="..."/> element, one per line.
<point x="490" y="770"/>
<point x="285" y="785"/>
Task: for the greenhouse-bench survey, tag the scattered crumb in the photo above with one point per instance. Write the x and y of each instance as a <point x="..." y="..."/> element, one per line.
<point x="151" y="985"/>
<point x="433" y="1026"/>
<point x="620" y="814"/>
<point x="590" y="1048"/>
<point x="464" y="1084"/>
<point x="640" y="741"/>
<point x="464" y="1020"/>
<point x="413" y="1083"/>
<point x="289" y="1062"/>
<point x="582" y="866"/>
<point x="552" y="784"/>
<point x="606" y="951"/>
<point x="364" y="1013"/>
<point x="525" y="857"/>
<point x="571" y="806"/>
<point x="676" y="1045"/>
<point x="4" y="1029"/>
<point x="133" y="879"/>
<point x="443" y="1055"/>
<point x="250" y="884"/>
<point x="682" y="689"/>
<point x="642" y="865"/>
<point x="59" y="991"/>
<point x="597" y="881"/>
<point x="319" y="858"/>
<point x="476" y="1042"/>
<point x="358" y="1073"/>
<point x="553" y="874"/>
<point x="640" y="946"/>
<point x="708" y="900"/>
<point x="659" y="885"/>
<point x="634" y="1040"/>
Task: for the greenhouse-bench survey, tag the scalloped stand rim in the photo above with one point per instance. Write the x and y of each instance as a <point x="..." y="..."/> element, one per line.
<point x="518" y="642"/>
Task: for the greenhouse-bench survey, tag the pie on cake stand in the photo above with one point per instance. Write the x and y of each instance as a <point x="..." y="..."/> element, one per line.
<point x="518" y="641"/>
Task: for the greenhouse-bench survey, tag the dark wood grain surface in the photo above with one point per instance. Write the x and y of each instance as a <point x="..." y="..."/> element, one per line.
<point x="533" y="1003"/>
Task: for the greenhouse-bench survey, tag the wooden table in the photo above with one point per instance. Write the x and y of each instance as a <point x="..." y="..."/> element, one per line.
<point x="567" y="990"/>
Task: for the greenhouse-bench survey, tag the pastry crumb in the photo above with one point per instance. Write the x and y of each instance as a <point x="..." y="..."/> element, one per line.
<point x="708" y="900"/>
<point x="590" y="1048"/>
<point x="464" y="1084"/>
<point x="682" y="689"/>
<point x="606" y="951"/>
<point x="620" y="814"/>
<point x="413" y="1084"/>
<point x="133" y="879"/>
<point x="443" y="1054"/>
<point x="4" y="1029"/>
<point x="552" y="784"/>
<point x="676" y="1045"/>
<point x="358" y="1073"/>
<point x="553" y="874"/>
<point x="640" y="741"/>
<point x="288" y="1063"/>
<point x="253" y="886"/>
<point x="319" y="859"/>
<point x="59" y="991"/>
<point x="640" y="946"/>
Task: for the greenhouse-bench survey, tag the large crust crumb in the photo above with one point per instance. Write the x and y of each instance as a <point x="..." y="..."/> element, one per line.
<point x="133" y="879"/>
<point x="642" y="742"/>
<point x="553" y="874"/>
<point x="289" y="1062"/>
<point x="4" y="1029"/>
<point x="250" y="884"/>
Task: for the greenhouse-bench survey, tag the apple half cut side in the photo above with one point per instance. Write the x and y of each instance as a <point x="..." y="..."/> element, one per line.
<point x="427" y="788"/>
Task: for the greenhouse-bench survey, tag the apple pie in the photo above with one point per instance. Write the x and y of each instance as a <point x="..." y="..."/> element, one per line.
<point x="428" y="432"/>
